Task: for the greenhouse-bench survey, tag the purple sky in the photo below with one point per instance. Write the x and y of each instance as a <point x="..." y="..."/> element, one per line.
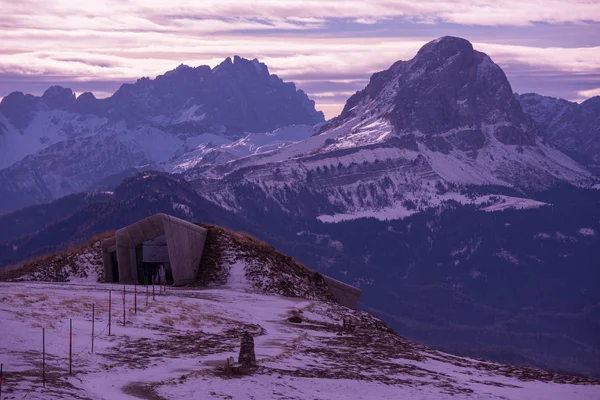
<point x="328" y="47"/>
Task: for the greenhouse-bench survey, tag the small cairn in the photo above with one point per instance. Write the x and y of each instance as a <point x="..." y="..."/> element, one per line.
<point x="247" y="357"/>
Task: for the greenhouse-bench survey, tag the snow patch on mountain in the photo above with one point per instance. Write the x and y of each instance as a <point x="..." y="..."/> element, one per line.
<point x="488" y="203"/>
<point x="587" y="232"/>
<point x="210" y="150"/>
<point x="47" y="128"/>
<point x="514" y="203"/>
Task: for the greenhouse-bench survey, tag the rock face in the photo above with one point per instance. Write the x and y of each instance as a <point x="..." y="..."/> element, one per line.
<point x="234" y="97"/>
<point x="18" y="109"/>
<point x="447" y="87"/>
<point x="55" y="145"/>
<point x="573" y="128"/>
<point x="58" y="97"/>
<point x="247" y="357"/>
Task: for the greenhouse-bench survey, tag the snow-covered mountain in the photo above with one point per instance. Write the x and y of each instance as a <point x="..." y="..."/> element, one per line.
<point x="573" y="128"/>
<point x="57" y="144"/>
<point x="417" y="136"/>
<point x="29" y="124"/>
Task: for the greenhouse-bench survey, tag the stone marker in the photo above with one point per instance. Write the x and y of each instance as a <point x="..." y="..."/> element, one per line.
<point x="247" y="357"/>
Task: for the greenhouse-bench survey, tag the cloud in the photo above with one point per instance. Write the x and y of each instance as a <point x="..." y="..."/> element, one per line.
<point x="585" y="94"/>
<point x="288" y="14"/>
<point x="577" y="60"/>
<point x="320" y="44"/>
<point x="366" y="21"/>
<point x="331" y="109"/>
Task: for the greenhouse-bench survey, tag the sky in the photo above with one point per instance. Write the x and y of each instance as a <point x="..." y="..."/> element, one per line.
<point x="329" y="48"/>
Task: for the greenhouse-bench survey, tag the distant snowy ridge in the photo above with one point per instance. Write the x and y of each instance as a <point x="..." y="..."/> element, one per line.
<point x="573" y="128"/>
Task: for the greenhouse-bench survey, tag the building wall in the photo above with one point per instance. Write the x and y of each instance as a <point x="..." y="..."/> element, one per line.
<point x="108" y="245"/>
<point x="156" y="250"/>
<point x="183" y="241"/>
<point x="345" y="294"/>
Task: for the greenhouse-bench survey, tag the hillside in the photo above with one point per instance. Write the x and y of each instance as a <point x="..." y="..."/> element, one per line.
<point x="229" y="258"/>
<point x="447" y="278"/>
<point x="175" y="344"/>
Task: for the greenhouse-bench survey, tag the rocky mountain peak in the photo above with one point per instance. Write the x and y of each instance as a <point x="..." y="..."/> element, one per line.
<point x="19" y="108"/>
<point x="445" y="47"/>
<point x="448" y="86"/>
<point x="58" y="97"/>
<point x="238" y="95"/>
<point x="242" y="68"/>
<point x="86" y="96"/>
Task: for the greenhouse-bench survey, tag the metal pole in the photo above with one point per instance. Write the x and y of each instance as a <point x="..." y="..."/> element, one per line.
<point x="135" y="299"/>
<point x="70" y="346"/>
<point x="153" y="298"/>
<point x="109" y="293"/>
<point x="93" y="314"/>
<point x="123" y="305"/>
<point x="147" y="295"/>
<point x="44" y="356"/>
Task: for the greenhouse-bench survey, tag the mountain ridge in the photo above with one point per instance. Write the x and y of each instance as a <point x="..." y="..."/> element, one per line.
<point x="57" y="144"/>
<point x="573" y="128"/>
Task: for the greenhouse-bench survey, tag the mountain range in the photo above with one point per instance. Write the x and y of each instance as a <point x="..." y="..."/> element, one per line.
<point x="56" y="144"/>
<point x="467" y="214"/>
<point x="417" y="136"/>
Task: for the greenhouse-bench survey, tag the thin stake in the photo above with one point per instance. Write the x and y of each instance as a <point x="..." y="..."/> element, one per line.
<point x="147" y="295"/>
<point x="153" y="298"/>
<point x="44" y="356"/>
<point x="70" y="346"/>
<point x="109" y="293"/>
<point x="93" y="315"/>
<point x="135" y="299"/>
<point x="123" y="305"/>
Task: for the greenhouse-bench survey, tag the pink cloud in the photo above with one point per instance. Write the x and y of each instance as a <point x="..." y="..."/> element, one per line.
<point x="123" y="40"/>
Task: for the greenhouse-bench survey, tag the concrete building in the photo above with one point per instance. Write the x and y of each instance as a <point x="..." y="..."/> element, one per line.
<point x="345" y="294"/>
<point x="138" y="252"/>
<point x="162" y="242"/>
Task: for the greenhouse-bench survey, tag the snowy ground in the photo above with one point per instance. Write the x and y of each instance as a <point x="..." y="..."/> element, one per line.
<point x="173" y="348"/>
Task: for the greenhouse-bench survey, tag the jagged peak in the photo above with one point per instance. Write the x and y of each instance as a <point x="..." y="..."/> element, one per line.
<point x="239" y="62"/>
<point x="58" y="97"/>
<point x="56" y="90"/>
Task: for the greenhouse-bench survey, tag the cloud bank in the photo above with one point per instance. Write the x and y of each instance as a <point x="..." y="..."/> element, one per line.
<point x="329" y="47"/>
